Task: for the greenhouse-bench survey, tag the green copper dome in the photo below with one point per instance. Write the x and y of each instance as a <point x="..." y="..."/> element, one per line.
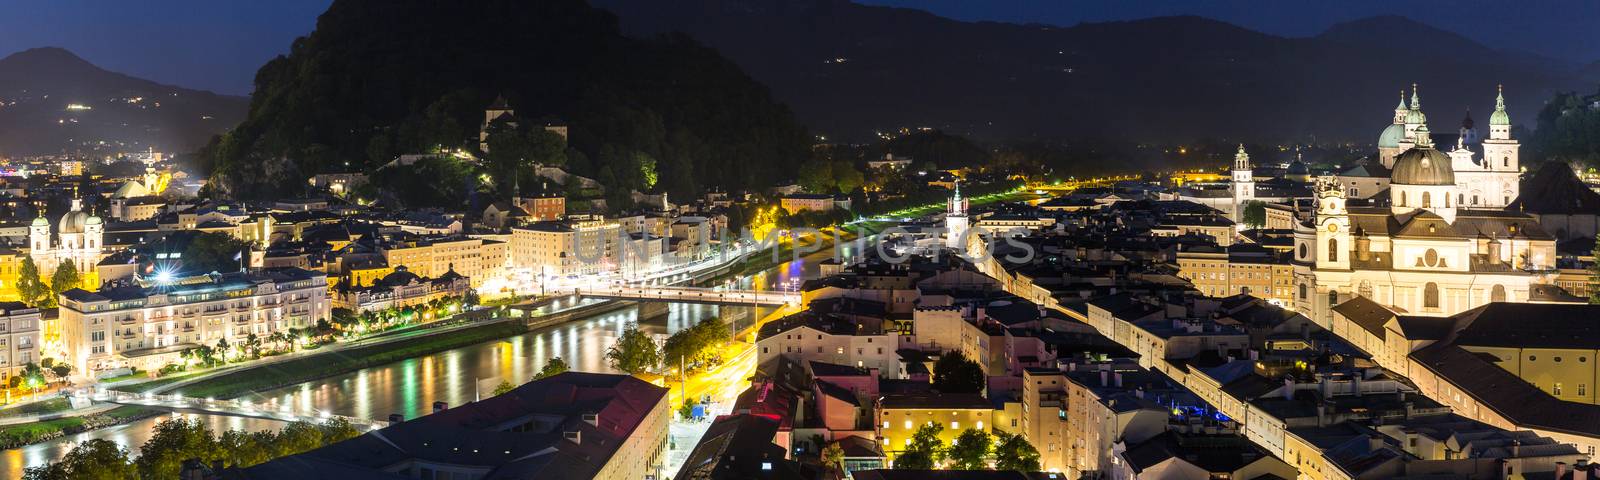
<point x="1500" y="117"/>
<point x="1392" y="136"/>
<point x="1415" y="116"/>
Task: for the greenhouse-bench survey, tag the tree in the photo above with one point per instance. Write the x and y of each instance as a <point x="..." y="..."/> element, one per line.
<point x="30" y="287"/>
<point x="213" y="252"/>
<point x="925" y="451"/>
<point x="634" y="352"/>
<point x="65" y="278"/>
<point x="252" y="344"/>
<point x="173" y="442"/>
<point x="954" y="373"/>
<point x="61" y="371"/>
<point x="970" y="451"/>
<point x="222" y="349"/>
<point x="552" y="368"/>
<point x="503" y="388"/>
<point x="96" y="459"/>
<point x="33" y="376"/>
<point x="1255" y="213"/>
<point x="833" y="457"/>
<point x="1012" y="452"/>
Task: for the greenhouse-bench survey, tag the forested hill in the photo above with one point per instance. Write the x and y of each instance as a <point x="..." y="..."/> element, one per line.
<point x="377" y="78"/>
<point x="851" y="70"/>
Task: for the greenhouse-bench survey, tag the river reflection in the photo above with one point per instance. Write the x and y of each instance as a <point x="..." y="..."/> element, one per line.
<point x="410" y="387"/>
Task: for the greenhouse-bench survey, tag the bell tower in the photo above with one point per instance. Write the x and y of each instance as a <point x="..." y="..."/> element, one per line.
<point x="1244" y="183"/>
<point x="1333" y="226"/>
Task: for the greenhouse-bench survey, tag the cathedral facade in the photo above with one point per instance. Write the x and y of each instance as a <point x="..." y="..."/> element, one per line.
<point x="79" y="240"/>
<point x="1439" y="242"/>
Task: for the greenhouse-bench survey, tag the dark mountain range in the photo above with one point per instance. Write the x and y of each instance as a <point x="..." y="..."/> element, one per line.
<point x="51" y="101"/>
<point x="379" y="78"/>
<point x="850" y="70"/>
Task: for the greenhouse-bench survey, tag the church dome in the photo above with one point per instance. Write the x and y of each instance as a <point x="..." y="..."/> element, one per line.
<point x="1392" y="136"/>
<point x="1415" y="116"/>
<point x="1297" y="167"/>
<point x="1423" y="166"/>
<point x="93" y="220"/>
<point x="73" y="221"/>
<point x="41" y="222"/>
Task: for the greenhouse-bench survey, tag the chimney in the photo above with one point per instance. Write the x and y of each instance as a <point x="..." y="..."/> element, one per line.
<point x="440" y="406"/>
<point x="1118" y="379"/>
<point x="1516" y="448"/>
<point x="1561" y="470"/>
<point x="1494" y="251"/>
<point x="1103" y="378"/>
<point x="1375" y="442"/>
<point x="1363" y="248"/>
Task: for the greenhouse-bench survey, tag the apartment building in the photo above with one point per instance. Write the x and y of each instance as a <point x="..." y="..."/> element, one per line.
<point x="21" y="339"/>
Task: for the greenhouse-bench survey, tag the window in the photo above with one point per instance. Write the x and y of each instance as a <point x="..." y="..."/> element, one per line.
<point x="1430" y="295"/>
<point x="1427" y="200"/>
<point x="954" y="425"/>
<point x="1402" y="198"/>
<point x="980" y="422"/>
<point x="1557" y="390"/>
<point x="1461" y="198"/>
<point x="1583" y="389"/>
<point x="1302" y="291"/>
<point x="1498" y="294"/>
<point x="1333" y="249"/>
<point x="1533" y="358"/>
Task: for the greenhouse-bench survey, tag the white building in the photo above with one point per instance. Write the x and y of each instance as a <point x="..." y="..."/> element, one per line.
<point x="1424" y="254"/>
<point x="146" y="325"/>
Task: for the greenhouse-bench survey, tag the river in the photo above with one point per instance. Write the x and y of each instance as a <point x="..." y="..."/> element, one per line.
<point x="409" y="387"/>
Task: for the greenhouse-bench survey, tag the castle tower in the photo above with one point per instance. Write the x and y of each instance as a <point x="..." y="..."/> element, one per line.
<point x="1244" y="183"/>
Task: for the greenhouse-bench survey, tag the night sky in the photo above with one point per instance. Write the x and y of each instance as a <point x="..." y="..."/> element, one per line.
<point x="217" y="45"/>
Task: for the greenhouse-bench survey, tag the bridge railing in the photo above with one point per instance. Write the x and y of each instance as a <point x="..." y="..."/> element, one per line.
<point x="237" y="407"/>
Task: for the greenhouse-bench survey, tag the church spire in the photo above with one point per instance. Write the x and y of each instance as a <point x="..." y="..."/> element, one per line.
<point x="1500" y="117"/>
<point x="1415" y="116"/>
<point x="1241" y="160"/>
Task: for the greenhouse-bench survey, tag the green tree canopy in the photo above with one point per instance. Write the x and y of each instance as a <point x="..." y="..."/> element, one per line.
<point x="925" y="452"/>
<point x="970" y="450"/>
<point x="65" y="278"/>
<point x="634" y="352"/>
<point x="954" y="373"/>
<point x="552" y="368"/>
<point x="95" y="459"/>
<point x="1255" y="213"/>
<point x="30" y="286"/>
<point x="1012" y="452"/>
